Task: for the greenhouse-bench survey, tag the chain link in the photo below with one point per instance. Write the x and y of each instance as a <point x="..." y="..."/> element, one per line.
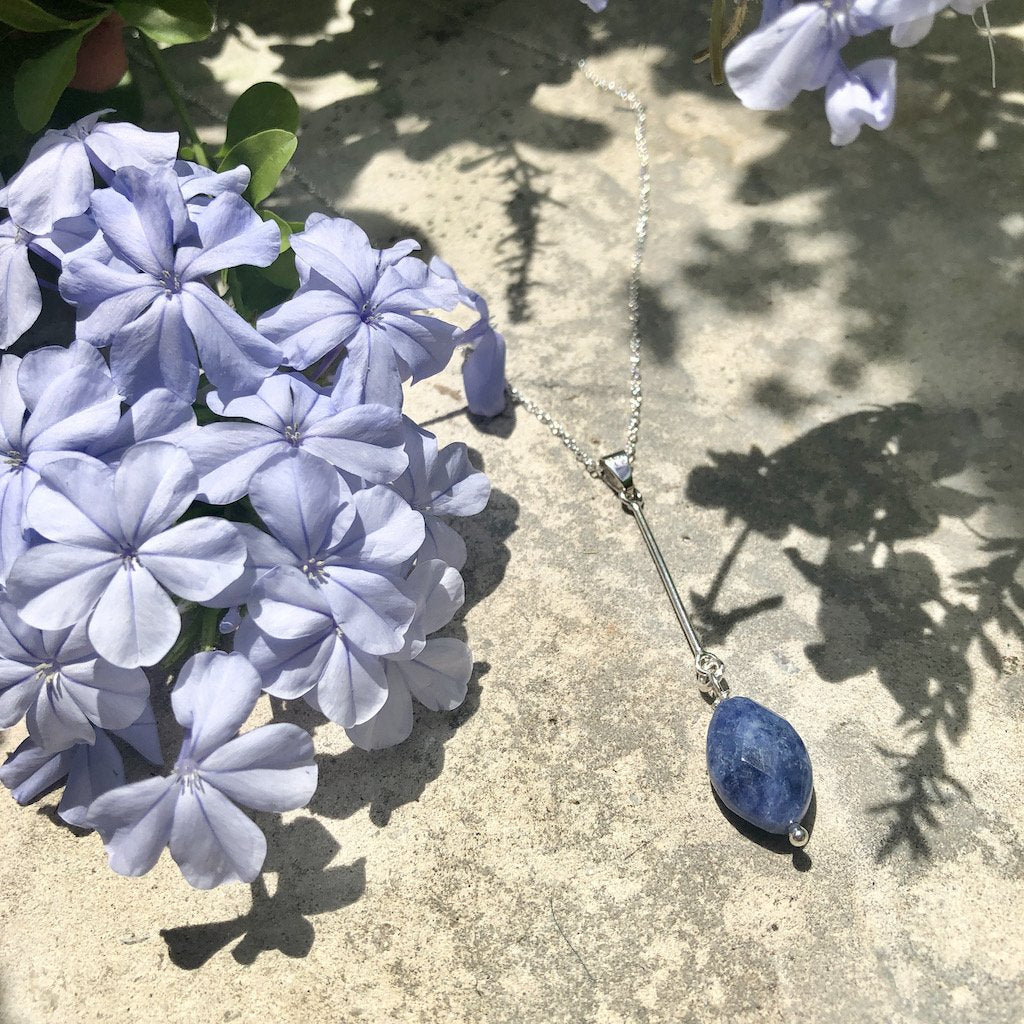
<point x="636" y="394"/>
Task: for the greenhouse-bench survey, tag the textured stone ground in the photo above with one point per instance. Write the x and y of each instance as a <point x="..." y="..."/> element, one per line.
<point x="832" y="458"/>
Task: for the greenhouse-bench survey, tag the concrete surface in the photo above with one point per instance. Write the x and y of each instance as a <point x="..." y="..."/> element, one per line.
<point x="832" y="457"/>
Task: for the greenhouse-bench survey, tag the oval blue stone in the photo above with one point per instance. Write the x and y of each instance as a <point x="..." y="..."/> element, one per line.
<point x="758" y="764"/>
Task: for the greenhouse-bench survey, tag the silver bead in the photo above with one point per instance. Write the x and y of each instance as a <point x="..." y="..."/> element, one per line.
<point x="798" y="835"/>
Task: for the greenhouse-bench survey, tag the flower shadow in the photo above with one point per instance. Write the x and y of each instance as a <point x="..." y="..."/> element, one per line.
<point x="300" y="854"/>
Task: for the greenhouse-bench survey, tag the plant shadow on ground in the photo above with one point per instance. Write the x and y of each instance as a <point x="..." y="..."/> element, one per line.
<point x="301" y="851"/>
<point x="871" y="483"/>
<point x="931" y="284"/>
<point x="457" y="71"/>
<point x="867" y="483"/>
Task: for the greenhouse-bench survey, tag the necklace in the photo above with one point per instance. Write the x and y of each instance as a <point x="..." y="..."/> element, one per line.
<point x="757" y="762"/>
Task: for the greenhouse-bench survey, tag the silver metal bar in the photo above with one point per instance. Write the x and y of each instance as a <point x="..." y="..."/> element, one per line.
<point x="617" y="472"/>
<point x="635" y="506"/>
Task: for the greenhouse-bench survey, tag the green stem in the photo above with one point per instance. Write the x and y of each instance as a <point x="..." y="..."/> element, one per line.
<point x="160" y="67"/>
<point x="209" y="633"/>
<point x="717" y="42"/>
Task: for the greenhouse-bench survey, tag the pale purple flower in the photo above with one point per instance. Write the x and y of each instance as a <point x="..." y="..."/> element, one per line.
<point x="20" y="298"/>
<point x="483" y="374"/>
<point x="152" y="305"/>
<point x="56" y="678"/>
<point x="483" y="369"/>
<point x="864" y="96"/>
<point x="437" y="677"/>
<point x="596" y="5"/>
<point x="194" y="810"/>
<point x="77" y="408"/>
<point x="112" y="552"/>
<point x="42" y="366"/>
<point x="366" y="304"/>
<point x="57" y="178"/>
<point x="91" y="768"/>
<point x="441" y="483"/>
<point x="199" y="184"/>
<point x="799" y="49"/>
<point x="333" y="675"/>
<point x="287" y="415"/>
<point x="338" y="556"/>
<point x="158" y="415"/>
<point x="436" y="671"/>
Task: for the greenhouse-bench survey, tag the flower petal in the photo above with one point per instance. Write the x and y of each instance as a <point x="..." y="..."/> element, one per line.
<point x="118" y="145"/>
<point x="288" y="668"/>
<point x="310" y="325"/>
<point x="74" y="504"/>
<point x="391" y="725"/>
<point x="153" y="485"/>
<point x="135" y="622"/>
<point x="298" y="497"/>
<point x="214" y="695"/>
<point x="231" y="233"/>
<point x="286" y="605"/>
<point x="234" y="356"/>
<point x="373" y="612"/>
<point x="156" y="350"/>
<point x="21" y="300"/>
<point x="438" y="677"/>
<point x="109" y="696"/>
<point x="267" y="769"/>
<point x="483" y="375"/>
<point x="79" y="407"/>
<point x="352" y="687"/>
<point x="369" y="373"/>
<point x="196" y="559"/>
<point x="365" y="440"/>
<point x="386" y="531"/>
<point x="798" y="50"/>
<point x="55" y="182"/>
<point x="226" y="455"/>
<point x="457" y="487"/>
<point x="135" y="823"/>
<point x="864" y="96"/>
<point x="339" y="251"/>
<point x="30" y="770"/>
<point x="42" y="366"/>
<point x="93" y="769"/>
<point x="55" y="721"/>
<point x="213" y="842"/>
<point x="140" y="229"/>
<point x="55" y="585"/>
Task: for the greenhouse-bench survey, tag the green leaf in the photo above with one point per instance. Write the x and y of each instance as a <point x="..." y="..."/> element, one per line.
<point x="266" y="154"/>
<point x="253" y="292"/>
<point x="40" y="81"/>
<point x="30" y="17"/>
<point x="168" y="22"/>
<point x="262" y="106"/>
<point x="284" y="225"/>
<point x="282" y="273"/>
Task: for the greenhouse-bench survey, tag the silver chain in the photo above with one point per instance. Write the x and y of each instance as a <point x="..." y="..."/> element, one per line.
<point x="636" y="395"/>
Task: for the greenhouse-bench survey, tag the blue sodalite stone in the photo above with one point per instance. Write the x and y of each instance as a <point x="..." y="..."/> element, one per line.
<point x="758" y="765"/>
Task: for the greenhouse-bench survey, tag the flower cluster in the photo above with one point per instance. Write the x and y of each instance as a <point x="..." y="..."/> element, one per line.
<point x="176" y="479"/>
<point x="798" y="47"/>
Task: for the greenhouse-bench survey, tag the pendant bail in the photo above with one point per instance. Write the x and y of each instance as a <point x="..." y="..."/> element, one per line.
<point x="617" y="473"/>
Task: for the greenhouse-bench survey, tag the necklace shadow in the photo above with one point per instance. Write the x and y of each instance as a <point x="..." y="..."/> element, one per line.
<point x="774" y="844"/>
